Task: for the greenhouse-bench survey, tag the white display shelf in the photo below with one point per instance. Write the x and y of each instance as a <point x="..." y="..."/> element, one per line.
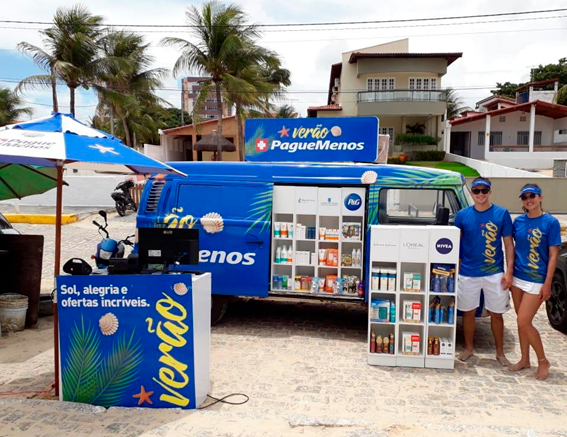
<point x="372" y="322"/>
<point x="440" y="362"/>
<point x="414" y="249"/>
<point x="305" y="265"/>
<point x="304" y="239"/>
<point x="382" y="359"/>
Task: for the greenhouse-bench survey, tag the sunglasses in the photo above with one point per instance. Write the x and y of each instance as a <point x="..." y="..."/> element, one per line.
<point x="528" y="196"/>
<point x="481" y="190"/>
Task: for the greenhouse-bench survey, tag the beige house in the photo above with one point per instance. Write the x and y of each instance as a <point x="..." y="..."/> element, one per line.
<point x="176" y="144"/>
<point x="399" y="87"/>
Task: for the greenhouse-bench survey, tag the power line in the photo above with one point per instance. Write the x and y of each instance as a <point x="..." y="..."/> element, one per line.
<point x="336" y="23"/>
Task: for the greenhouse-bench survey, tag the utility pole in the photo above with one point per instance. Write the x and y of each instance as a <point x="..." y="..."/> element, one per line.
<point x="182" y="108"/>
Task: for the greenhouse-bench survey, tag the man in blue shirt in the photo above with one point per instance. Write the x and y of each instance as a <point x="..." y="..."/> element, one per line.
<point x="483" y="227"/>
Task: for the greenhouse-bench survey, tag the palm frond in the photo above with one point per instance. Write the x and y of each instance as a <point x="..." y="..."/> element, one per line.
<point x="118" y="370"/>
<point x="79" y="367"/>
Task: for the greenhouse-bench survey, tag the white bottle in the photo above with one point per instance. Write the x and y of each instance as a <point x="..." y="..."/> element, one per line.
<point x="290" y="230"/>
<point x="353" y="257"/>
<point x="283" y="256"/>
<point x="278" y="255"/>
<point x="289" y="255"/>
<point x="358" y="258"/>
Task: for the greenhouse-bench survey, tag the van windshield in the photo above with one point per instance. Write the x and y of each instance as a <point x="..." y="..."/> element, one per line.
<point x="415" y="206"/>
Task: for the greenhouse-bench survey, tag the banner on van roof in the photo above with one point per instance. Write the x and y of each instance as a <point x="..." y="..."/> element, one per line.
<point x="312" y="139"/>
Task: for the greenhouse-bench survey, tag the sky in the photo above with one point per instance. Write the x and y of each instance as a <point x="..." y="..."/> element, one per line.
<point x="492" y="52"/>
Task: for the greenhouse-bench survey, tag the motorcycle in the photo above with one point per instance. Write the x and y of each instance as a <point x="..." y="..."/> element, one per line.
<point x="108" y="247"/>
<point x="122" y="197"/>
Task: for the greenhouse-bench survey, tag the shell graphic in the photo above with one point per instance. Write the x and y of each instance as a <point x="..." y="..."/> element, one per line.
<point x="212" y="222"/>
<point x="108" y="324"/>
<point x="180" y="288"/>
<point x="336" y="131"/>
<point x="369" y="177"/>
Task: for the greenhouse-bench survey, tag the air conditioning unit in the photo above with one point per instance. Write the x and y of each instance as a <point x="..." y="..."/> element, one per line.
<point x="335" y="88"/>
<point x="337" y="81"/>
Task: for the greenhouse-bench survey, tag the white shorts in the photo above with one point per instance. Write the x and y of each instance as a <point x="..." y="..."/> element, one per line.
<point x="528" y="287"/>
<point x="496" y="300"/>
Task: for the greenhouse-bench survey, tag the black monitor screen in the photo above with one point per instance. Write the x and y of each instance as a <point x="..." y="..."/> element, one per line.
<point x="168" y="246"/>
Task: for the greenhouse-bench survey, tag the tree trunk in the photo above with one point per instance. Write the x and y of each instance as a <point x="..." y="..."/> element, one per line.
<point x="126" y="132"/>
<point x="72" y="100"/>
<point x="54" y="91"/>
<point x="240" y="133"/>
<point x="219" y="113"/>
<point x="112" y="119"/>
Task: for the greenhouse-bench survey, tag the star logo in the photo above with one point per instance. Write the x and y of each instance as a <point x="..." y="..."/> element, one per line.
<point x="261" y="145"/>
<point x="144" y="396"/>
<point x="103" y="149"/>
<point x="284" y="132"/>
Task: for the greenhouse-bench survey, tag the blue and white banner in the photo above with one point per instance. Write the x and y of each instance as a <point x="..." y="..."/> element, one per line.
<point x="132" y="340"/>
<point x="312" y="139"/>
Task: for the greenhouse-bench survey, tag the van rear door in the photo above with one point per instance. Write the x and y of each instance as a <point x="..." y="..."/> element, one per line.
<point x="235" y="243"/>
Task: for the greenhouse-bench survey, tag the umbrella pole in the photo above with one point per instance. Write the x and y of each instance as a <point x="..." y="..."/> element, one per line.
<point x="59" y="207"/>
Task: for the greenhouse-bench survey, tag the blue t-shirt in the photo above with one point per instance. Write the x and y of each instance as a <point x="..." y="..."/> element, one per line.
<point x="534" y="237"/>
<point x="481" y="239"/>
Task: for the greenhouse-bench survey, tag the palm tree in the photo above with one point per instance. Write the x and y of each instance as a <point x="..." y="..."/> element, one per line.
<point x="10" y="107"/>
<point x="220" y="32"/>
<point x="126" y="85"/>
<point x="286" y="111"/>
<point x="455" y="104"/>
<point x="561" y="96"/>
<point x="70" y="54"/>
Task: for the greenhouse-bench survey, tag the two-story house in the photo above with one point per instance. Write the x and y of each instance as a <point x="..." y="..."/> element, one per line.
<point x="401" y="88"/>
<point x="528" y="132"/>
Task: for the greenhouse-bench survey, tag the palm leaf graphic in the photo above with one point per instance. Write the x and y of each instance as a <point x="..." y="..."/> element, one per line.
<point x="261" y="210"/>
<point x="81" y="363"/>
<point x="250" y="146"/>
<point x="118" y="371"/>
<point x="372" y="206"/>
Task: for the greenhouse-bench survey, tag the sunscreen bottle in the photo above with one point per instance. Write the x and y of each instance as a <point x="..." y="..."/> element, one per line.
<point x="278" y="255"/>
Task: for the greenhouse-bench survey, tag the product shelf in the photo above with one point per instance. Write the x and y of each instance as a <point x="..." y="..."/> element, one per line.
<point x="304" y="265"/>
<point x="382" y="359"/>
<point x="372" y="322"/>
<point x="303" y="239"/>
<point x="283" y="264"/>
<point x="433" y="293"/>
<point x="393" y="293"/>
<point x="412" y="293"/>
<point x="439" y="325"/>
<point x="411" y="323"/>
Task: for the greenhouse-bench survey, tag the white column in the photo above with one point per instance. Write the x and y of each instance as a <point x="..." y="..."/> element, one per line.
<point x="165" y="148"/>
<point x="487" y="137"/>
<point x="447" y="137"/>
<point x="532" y="129"/>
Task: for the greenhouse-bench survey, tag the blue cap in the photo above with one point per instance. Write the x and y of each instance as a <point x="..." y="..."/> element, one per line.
<point x="530" y="189"/>
<point x="481" y="182"/>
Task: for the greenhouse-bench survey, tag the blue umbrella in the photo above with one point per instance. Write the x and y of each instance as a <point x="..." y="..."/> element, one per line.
<point x="61" y="141"/>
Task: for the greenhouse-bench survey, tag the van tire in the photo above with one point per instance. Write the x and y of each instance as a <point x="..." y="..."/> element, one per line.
<point x="219" y="305"/>
<point x="556" y="306"/>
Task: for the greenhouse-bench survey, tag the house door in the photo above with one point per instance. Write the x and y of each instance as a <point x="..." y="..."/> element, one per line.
<point x="461" y="143"/>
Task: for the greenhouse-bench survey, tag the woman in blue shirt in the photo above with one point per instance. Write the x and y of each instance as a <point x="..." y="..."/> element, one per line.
<point x="538" y="238"/>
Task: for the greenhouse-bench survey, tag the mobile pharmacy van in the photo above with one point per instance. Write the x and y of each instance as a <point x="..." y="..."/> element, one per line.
<point x="274" y="227"/>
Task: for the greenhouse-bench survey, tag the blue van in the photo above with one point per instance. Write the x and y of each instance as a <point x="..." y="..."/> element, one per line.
<point x="263" y="223"/>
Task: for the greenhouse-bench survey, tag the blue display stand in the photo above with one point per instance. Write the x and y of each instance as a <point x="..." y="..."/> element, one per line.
<point x="135" y="340"/>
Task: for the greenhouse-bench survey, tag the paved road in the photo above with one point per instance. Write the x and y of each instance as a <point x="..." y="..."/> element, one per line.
<point x="303" y="366"/>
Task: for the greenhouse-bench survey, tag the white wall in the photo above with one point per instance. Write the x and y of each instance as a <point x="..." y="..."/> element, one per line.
<point x="155" y="152"/>
<point x="82" y="191"/>
<point x="544" y="96"/>
<point x="489" y="169"/>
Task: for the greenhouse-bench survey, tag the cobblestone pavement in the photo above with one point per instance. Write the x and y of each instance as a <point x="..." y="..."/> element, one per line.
<point x="303" y="365"/>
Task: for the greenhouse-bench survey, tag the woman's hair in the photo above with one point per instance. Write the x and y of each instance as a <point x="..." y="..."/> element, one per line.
<point x="531" y="185"/>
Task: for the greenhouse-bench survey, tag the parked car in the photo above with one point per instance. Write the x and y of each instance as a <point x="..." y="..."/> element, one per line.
<point x="6" y="227"/>
<point x="557" y="305"/>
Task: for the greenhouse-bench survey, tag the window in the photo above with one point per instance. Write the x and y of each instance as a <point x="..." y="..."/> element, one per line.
<point x="522" y="118"/>
<point x="496" y="138"/>
<point x="380" y="84"/>
<point x="414" y="205"/>
<point x="422" y="84"/>
<point x="388" y="131"/>
<point x="502" y="119"/>
<point x="211" y="108"/>
<point x="481" y="138"/>
<point x="523" y="138"/>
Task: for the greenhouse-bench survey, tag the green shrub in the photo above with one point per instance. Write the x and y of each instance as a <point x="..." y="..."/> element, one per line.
<point x="400" y="159"/>
<point x="416" y="139"/>
<point x="429" y="155"/>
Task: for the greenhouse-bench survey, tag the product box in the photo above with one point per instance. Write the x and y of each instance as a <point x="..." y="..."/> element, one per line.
<point x="410" y="343"/>
<point x="351" y="231"/>
<point x="417" y="282"/>
<point x="392" y="280"/>
<point x="412" y="311"/>
<point x="380" y="310"/>
<point x="408" y="281"/>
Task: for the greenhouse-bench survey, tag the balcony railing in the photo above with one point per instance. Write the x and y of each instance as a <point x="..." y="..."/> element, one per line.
<point x="402" y="96"/>
<point x="525" y="148"/>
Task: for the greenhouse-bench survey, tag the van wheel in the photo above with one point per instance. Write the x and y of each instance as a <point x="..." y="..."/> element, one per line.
<point x="556" y="306"/>
<point x="219" y="305"/>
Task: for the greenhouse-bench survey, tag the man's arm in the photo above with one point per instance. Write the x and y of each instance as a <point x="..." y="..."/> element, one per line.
<point x="509" y="273"/>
